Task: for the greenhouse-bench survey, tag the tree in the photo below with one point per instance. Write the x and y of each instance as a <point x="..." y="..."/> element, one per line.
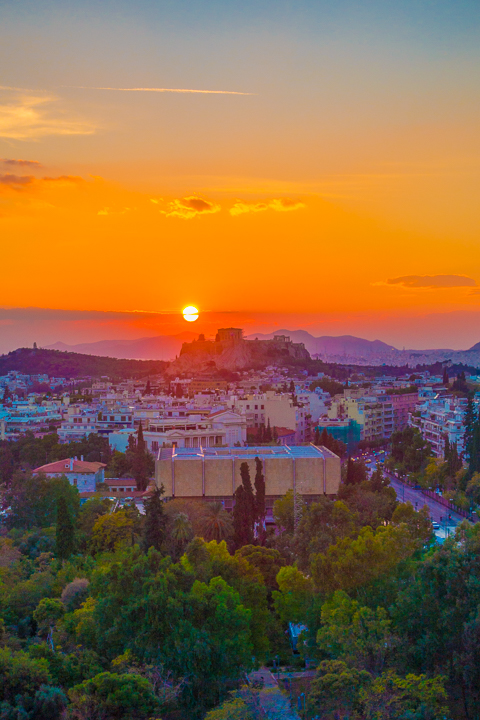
<point x="215" y="522"/>
<point x="108" y="695"/>
<point x="155" y="521"/>
<point x="335" y="691"/>
<point x="356" y="472"/>
<point x="293" y="596"/>
<point x="358" y="635"/>
<point x="391" y="697"/>
<point x="445" y="376"/>
<point x="268" y="432"/>
<point x="65" y="540"/>
<point x="354" y="562"/>
<point x="267" y="560"/>
<point x="148" y="389"/>
<point x="141" y="466"/>
<point x="112" y="531"/>
<point x="244" y="511"/>
<point x="21" y="675"/>
<point x="260" y="499"/>
<point x="47" y="613"/>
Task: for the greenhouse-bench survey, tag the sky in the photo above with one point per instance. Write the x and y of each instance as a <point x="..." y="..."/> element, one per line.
<point x="327" y="176"/>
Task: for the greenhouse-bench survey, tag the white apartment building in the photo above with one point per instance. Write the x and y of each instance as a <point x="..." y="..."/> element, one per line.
<point x="438" y="418"/>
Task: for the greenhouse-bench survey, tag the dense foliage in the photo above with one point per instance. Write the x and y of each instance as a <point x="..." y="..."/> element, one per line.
<point x="55" y="363"/>
<point x="110" y="614"/>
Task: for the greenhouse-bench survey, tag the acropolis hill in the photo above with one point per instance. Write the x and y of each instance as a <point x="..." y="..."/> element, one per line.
<point x="230" y="351"/>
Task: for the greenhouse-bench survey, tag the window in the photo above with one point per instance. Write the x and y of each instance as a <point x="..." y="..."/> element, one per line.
<point x="75" y="481"/>
<point x="256" y="407"/>
<point x="123" y="418"/>
<point x="248" y="407"/>
<point x="262" y="407"/>
<point x="154" y="445"/>
<point x="112" y="418"/>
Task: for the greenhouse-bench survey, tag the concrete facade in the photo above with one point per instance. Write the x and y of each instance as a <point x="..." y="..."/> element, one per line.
<point x="208" y="473"/>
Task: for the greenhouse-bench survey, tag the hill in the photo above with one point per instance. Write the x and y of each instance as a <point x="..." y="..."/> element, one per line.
<point x="73" y="365"/>
<point x="160" y="347"/>
<point x="331" y="345"/>
<point x="474" y="348"/>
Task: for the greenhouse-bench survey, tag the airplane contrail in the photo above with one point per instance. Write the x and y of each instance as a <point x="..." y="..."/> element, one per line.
<point x="163" y="90"/>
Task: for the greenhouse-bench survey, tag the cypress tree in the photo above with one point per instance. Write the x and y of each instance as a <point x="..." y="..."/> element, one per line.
<point x="324" y="438"/>
<point x="140" y="461"/>
<point x="155" y="521"/>
<point x="316" y="440"/>
<point x="65" y="536"/>
<point x="445" y="376"/>
<point x="259" y="492"/>
<point x="446" y="449"/>
<point x="244" y="509"/>
<point x="268" y="432"/>
<point x="148" y="388"/>
<point x="275" y="434"/>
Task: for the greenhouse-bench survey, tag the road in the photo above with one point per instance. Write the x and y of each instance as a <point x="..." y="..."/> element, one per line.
<point x="274" y="704"/>
<point x="438" y="512"/>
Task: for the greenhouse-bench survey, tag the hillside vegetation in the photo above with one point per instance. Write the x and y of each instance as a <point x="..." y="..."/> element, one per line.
<point x="55" y="363"/>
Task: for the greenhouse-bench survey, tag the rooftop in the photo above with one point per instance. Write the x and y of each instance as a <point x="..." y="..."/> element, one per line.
<point x="269" y="451"/>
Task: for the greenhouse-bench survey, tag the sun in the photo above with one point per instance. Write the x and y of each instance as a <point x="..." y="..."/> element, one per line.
<point x="190" y="313"/>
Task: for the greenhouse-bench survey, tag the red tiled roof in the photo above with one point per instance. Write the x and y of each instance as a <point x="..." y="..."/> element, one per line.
<point x="63" y="466"/>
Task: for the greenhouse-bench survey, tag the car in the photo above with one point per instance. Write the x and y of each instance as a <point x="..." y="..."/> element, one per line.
<point x="435" y="525"/>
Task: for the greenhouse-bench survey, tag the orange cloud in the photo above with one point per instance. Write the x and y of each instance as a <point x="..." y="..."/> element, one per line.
<point x="16" y="180"/>
<point x="433" y="282"/>
<point x="21" y="163"/>
<point x="190" y="207"/>
<point x="29" y="117"/>
<point x="279" y="204"/>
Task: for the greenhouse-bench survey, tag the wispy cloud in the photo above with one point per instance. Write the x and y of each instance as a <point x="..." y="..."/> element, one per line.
<point x="16" y="180"/>
<point x="163" y="90"/>
<point x="189" y="207"/>
<point x="278" y="204"/>
<point x="31" y="116"/>
<point x="433" y="282"/>
<point x="21" y="163"/>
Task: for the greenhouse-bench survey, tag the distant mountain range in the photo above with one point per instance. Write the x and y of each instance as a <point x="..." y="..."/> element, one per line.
<point x="161" y="347"/>
<point x="332" y="348"/>
<point x="330" y="345"/>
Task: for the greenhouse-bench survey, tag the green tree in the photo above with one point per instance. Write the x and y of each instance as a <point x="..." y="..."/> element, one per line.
<point x="391" y="697"/>
<point x="112" y="531"/>
<point x="260" y="499"/>
<point x="235" y="709"/>
<point x="354" y="562"/>
<point x="294" y="595"/>
<point x="335" y="691"/>
<point x="358" y="635"/>
<point x="47" y="613"/>
<point x="267" y="560"/>
<point x="65" y="538"/>
<point x="155" y="521"/>
<point x="215" y="522"/>
<point x="21" y="675"/>
<point x="117" y="697"/>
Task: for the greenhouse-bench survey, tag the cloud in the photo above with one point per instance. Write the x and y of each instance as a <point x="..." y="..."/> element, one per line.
<point x="164" y="90"/>
<point x="279" y="204"/>
<point x="16" y="179"/>
<point x="433" y="281"/>
<point x="189" y="207"/>
<point x="21" y="163"/>
<point x="28" y="117"/>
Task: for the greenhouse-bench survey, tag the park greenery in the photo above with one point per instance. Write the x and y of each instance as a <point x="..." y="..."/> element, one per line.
<point x="107" y="613"/>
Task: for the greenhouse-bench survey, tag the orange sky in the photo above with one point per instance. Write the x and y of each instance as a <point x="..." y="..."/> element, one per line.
<point x="346" y="183"/>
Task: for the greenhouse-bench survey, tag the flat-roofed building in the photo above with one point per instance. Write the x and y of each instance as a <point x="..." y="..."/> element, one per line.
<point x="214" y="473"/>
